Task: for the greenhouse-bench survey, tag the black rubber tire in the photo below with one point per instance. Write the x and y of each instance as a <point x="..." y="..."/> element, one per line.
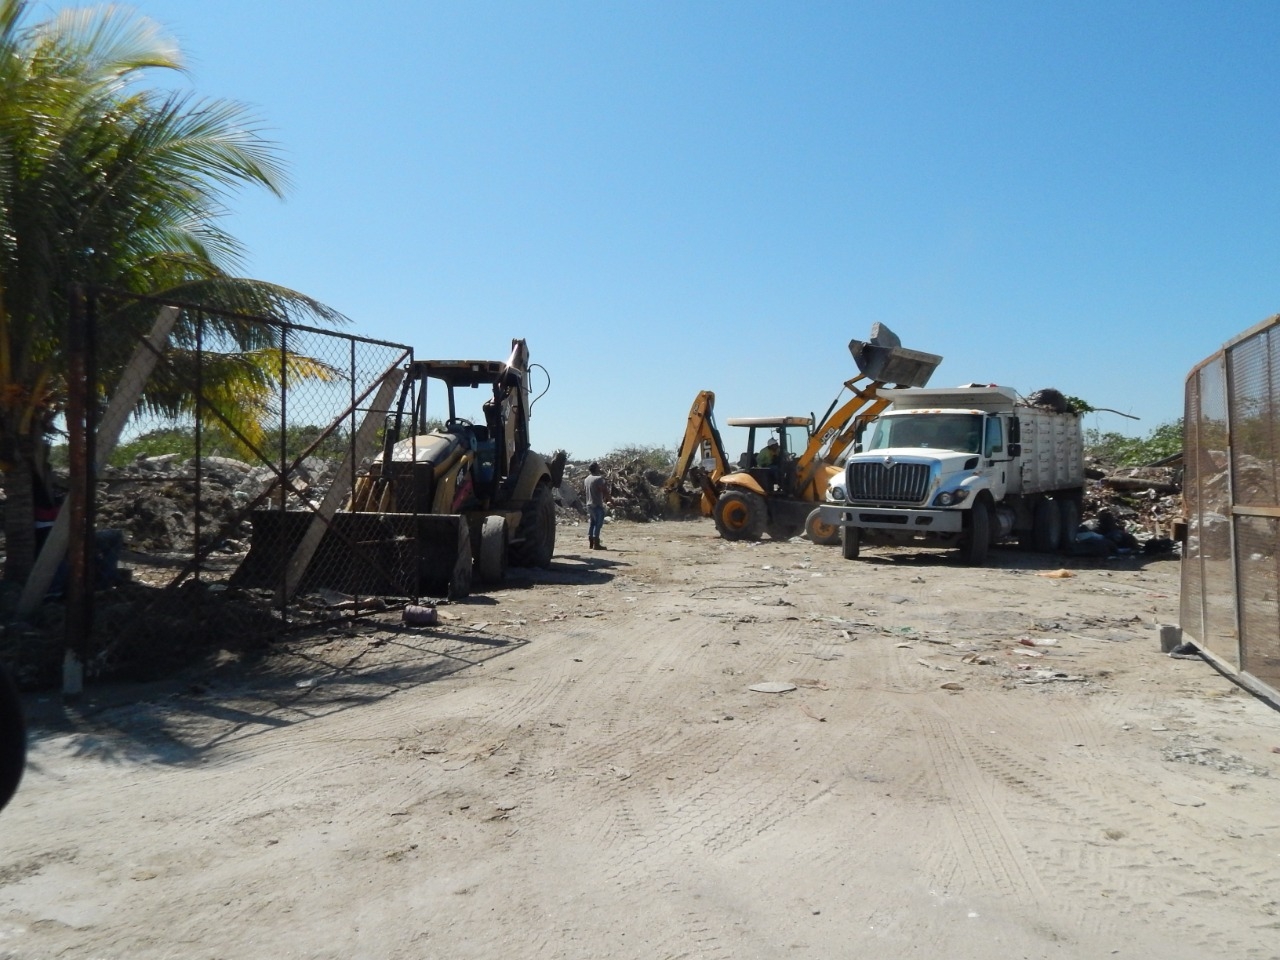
<point x="537" y="542"/>
<point x="13" y="738"/>
<point x="1046" y="533"/>
<point x="977" y="539"/>
<point x="740" y="515"/>
<point x="850" y="542"/>
<point x="491" y="563"/>
<point x="826" y="534"/>
<point x="1069" y="520"/>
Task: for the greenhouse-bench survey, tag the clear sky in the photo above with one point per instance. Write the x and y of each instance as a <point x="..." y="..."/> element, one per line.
<point x="664" y="197"/>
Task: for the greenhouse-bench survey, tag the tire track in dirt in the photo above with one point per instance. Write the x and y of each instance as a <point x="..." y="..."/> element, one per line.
<point x="1076" y="838"/>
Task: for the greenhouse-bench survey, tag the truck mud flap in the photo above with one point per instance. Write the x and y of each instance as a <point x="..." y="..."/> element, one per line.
<point x="379" y="554"/>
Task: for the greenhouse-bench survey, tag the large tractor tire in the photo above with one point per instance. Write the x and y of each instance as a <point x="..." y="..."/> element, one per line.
<point x="13" y="738"/>
<point x="1046" y="532"/>
<point x="537" y="543"/>
<point x="740" y="515"/>
<point x="819" y="531"/>
<point x="491" y="564"/>
<point x="977" y="539"/>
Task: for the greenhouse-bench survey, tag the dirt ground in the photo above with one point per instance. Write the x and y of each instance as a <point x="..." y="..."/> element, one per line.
<point x="972" y="764"/>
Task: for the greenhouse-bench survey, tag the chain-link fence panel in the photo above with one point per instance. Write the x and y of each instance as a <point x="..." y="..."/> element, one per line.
<point x="220" y="447"/>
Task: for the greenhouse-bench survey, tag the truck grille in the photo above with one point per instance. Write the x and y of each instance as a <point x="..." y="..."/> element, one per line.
<point x="888" y="482"/>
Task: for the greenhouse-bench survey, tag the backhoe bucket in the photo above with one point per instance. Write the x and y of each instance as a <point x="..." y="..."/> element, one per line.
<point x="379" y="554"/>
<point x="883" y="360"/>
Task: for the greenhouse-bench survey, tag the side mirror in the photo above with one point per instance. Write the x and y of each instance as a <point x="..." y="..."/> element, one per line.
<point x="1015" y="450"/>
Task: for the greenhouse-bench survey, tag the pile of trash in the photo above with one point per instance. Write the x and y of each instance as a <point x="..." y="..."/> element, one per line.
<point x="153" y="500"/>
<point x="636" y="488"/>
<point x="1134" y="508"/>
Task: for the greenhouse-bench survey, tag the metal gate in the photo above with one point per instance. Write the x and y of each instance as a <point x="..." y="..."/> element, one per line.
<point x="1231" y="561"/>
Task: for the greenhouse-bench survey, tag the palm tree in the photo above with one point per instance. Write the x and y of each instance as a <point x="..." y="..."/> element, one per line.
<point x="107" y="183"/>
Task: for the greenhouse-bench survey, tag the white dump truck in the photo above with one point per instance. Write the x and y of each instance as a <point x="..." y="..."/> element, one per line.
<point x="962" y="467"/>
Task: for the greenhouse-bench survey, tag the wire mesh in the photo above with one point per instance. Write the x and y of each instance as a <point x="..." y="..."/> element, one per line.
<point x="1231" y="566"/>
<point x="246" y="436"/>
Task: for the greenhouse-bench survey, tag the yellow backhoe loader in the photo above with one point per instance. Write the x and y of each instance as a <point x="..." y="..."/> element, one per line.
<point x="781" y="498"/>
<point x="448" y="500"/>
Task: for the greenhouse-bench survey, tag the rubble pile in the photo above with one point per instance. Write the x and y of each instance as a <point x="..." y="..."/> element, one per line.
<point x="636" y="487"/>
<point x="1145" y="501"/>
<point x="153" y="500"/>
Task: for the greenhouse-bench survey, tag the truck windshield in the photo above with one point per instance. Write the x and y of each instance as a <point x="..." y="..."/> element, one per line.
<point x="961" y="432"/>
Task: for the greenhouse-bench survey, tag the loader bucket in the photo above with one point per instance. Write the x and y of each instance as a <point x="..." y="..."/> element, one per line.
<point x="380" y="554"/>
<point x="887" y="362"/>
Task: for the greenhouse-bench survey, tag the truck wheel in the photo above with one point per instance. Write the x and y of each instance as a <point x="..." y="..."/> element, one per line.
<point x="740" y="515"/>
<point x="1069" y="516"/>
<point x="1046" y="533"/>
<point x="537" y="531"/>
<point x="819" y="531"/>
<point x="849" y="542"/>
<point x="491" y="565"/>
<point x="977" y="542"/>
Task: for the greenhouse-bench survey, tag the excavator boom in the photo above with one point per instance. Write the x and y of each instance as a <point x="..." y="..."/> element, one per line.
<point x="701" y="443"/>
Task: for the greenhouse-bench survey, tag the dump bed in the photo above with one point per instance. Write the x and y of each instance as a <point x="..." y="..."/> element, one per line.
<point x="1052" y="451"/>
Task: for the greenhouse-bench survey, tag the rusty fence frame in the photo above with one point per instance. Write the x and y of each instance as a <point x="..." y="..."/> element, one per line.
<point x="93" y="406"/>
<point x="1230" y="576"/>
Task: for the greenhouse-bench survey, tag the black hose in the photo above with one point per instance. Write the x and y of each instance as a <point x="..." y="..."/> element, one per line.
<point x="13" y="738"/>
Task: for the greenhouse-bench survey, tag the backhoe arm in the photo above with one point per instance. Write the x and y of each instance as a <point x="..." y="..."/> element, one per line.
<point x="701" y="441"/>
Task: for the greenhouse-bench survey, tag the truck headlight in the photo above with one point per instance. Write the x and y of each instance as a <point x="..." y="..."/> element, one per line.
<point x="949" y="498"/>
<point x="836" y="493"/>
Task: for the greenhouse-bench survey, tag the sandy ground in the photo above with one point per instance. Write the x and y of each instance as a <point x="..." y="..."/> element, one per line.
<point x="576" y="766"/>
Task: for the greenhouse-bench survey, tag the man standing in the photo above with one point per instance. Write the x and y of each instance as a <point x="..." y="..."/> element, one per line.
<point x="596" y="488"/>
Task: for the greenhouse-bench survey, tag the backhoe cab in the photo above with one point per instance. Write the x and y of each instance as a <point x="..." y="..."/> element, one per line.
<point x="449" y="499"/>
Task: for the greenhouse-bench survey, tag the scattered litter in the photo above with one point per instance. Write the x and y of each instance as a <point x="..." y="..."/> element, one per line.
<point x="305" y="684"/>
<point x="1037" y="641"/>
<point x="896" y="599"/>
<point x="622" y="773"/>
<point x="978" y="659"/>
<point x="815" y="684"/>
<point x="1053" y="676"/>
<point x="477" y="627"/>
<point x="808" y="712"/>
<point x="772" y="686"/>
<point x="935" y="666"/>
<point x="903" y="646"/>
<point x="1186" y="801"/>
<point x="1060" y="574"/>
<point x="951" y="685"/>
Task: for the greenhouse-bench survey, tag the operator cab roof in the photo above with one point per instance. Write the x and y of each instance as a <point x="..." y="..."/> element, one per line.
<point x="460" y="373"/>
<point x="768" y="421"/>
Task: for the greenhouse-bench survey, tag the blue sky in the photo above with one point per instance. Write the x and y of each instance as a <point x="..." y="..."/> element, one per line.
<point x="667" y="197"/>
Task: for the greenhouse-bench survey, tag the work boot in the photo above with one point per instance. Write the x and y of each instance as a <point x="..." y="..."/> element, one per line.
<point x="591" y="543"/>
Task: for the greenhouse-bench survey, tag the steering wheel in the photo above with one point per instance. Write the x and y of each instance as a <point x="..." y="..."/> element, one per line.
<point x="454" y="422"/>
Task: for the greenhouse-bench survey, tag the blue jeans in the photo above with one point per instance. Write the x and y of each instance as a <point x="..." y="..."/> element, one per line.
<point x="596" y="522"/>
